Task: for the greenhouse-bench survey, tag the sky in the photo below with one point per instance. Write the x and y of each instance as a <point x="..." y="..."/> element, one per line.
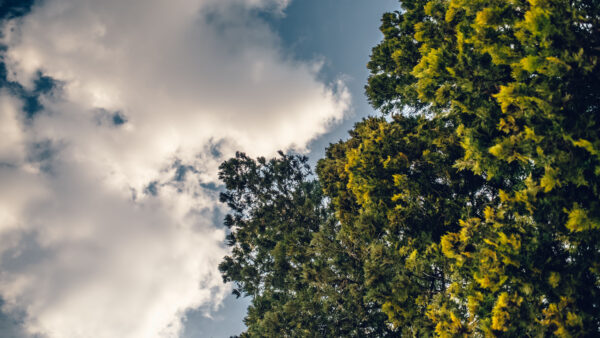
<point x="114" y="118"/>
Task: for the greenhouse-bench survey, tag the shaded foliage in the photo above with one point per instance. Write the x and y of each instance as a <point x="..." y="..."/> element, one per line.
<point x="471" y="209"/>
<point x="396" y="193"/>
<point x="286" y="256"/>
<point x="520" y="78"/>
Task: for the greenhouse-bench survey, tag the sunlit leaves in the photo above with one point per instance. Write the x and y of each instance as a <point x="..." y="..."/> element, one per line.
<point x="520" y="80"/>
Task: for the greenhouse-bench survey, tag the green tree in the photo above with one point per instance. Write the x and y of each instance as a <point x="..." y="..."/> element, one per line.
<point x="286" y="256"/>
<point x="472" y="209"/>
<point x="396" y="194"/>
<point x="521" y="80"/>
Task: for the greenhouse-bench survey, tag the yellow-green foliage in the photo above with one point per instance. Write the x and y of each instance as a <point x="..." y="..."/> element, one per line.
<point x="520" y="82"/>
<point x="472" y="209"/>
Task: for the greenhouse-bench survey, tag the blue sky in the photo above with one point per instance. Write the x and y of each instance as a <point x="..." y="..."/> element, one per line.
<point x="114" y="129"/>
<point x="342" y="33"/>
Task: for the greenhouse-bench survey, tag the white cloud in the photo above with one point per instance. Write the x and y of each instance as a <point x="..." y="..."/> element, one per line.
<point x="84" y="251"/>
<point x="11" y="147"/>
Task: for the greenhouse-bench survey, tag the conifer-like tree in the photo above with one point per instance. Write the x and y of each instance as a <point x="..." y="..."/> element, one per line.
<point x="471" y="209"/>
<point x="521" y="80"/>
<point x="286" y="256"/>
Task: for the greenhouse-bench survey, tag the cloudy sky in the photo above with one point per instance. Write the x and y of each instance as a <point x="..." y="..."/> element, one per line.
<point x="114" y="116"/>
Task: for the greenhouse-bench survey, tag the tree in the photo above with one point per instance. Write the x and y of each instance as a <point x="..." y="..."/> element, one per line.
<point x="520" y="78"/>
<point x="473" y="208"/>
<point x="285" y="254"/>
<point x="396" y="194"/>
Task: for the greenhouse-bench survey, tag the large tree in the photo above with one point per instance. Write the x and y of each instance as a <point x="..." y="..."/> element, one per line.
<point x="471" y="208"/>
<point x="521" y="79"/>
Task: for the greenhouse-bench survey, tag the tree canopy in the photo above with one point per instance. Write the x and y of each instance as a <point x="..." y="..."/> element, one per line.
<point x="285" y="254"/>
<point x="472" y="207"/>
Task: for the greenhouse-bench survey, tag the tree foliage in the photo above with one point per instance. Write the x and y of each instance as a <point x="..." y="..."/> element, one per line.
<point x="396" y="194"/>
<point x="472" y="208"/>
<point x="521" y="80"/>
<point x="285" y="255"/>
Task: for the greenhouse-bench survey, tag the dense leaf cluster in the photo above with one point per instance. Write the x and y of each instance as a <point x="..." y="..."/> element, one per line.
<point x="285" y="254"/>
<point x="472" y="209"/>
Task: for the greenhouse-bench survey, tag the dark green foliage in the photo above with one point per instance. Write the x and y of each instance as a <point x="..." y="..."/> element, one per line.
<point x="396" y="193"/>
<point x="521" y="81"/>
<point x="286" y="256"/>
<point x="472" y="210"/>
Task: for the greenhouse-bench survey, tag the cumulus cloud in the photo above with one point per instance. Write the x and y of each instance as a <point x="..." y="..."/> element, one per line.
<point x="108" y="193"/>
